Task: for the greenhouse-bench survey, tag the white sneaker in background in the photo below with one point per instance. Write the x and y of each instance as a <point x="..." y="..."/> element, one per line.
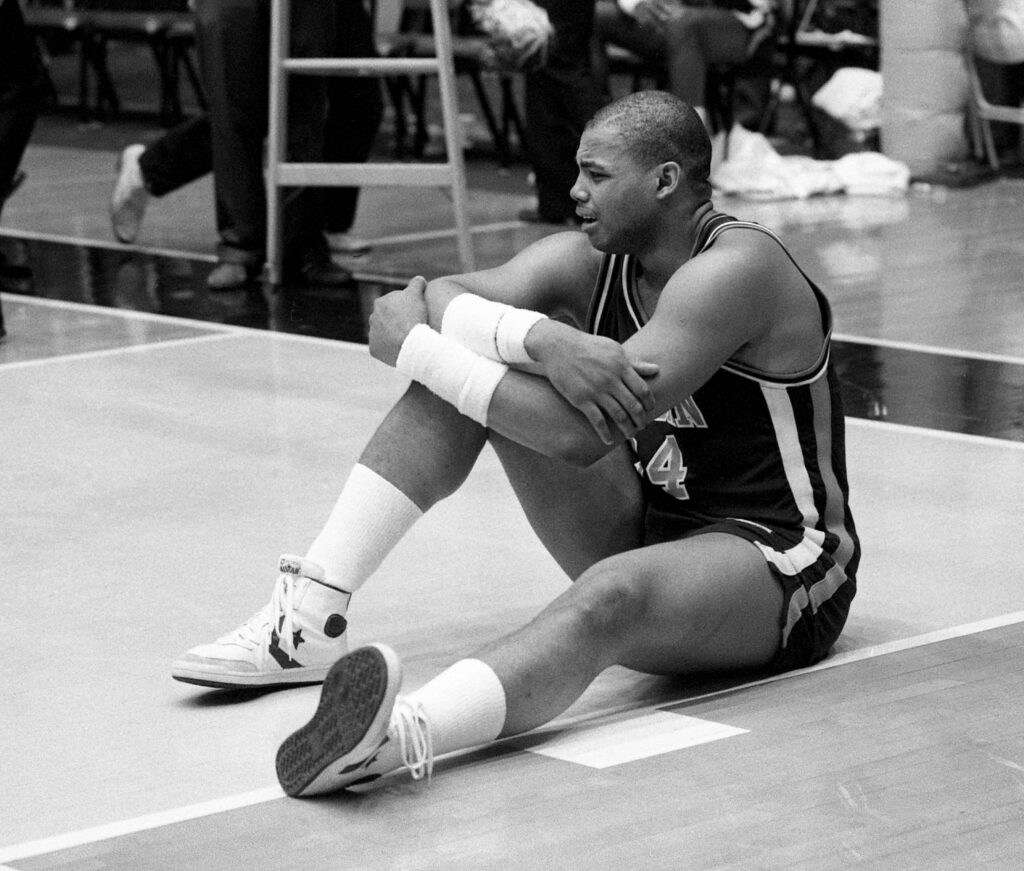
<point x="129" y="199"/>
<point x="294" y="639"/>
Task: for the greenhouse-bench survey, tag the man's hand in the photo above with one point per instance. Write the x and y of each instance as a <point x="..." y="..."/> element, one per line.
<point x="393" y="316"/>
<point x="595" y="375"/>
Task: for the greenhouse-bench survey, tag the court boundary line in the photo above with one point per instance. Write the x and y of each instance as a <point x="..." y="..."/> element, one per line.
<point x="919" y="348"/>
<point x="99" y="353"/>
<point x="106" y="245"/>
<point x="212" y="326"/>
<point x="113" y="245"/>
<point x="159" y="819"/>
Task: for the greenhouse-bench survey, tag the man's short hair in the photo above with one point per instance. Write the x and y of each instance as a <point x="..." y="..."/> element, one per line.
<point x="659" y="127"/>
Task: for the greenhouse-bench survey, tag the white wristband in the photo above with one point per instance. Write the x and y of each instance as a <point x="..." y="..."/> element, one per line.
<point x="454" y="373"/>
<point x="492" y="329"/>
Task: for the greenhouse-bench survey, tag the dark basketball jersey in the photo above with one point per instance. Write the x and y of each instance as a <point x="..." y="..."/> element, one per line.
<point x="762" y="454"/>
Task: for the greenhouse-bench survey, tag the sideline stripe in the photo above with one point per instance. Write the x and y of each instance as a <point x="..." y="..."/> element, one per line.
<point x="259" y="796"/>
<point x="81" y="242"/>
<point x="929" y="349"/>
<point x="949" y="435"/>
<point x="113" y="352"/>
<point x="377" y="241"/>
<point x="425" y="235"/>
<point x="138" y="824"/>
<point x="210" y="326"/>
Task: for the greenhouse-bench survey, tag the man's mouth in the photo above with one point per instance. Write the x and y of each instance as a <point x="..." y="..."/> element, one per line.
<point x="585" y="219"/>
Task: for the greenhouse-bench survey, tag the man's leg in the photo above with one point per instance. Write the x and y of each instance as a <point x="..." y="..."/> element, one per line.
<point x="233" y="42"/>
<point x="177" y="158"/>
<point x="421" y="453"/>
<point x="696" y="38"/>
<point x="560" y="98"/>
<point x="704" y="604"/>
<point x="355" y="109"/>
<point x="700" y="604"/>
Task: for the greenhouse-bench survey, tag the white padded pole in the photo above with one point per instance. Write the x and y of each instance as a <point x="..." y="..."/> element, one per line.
<point x="925" y="83"/>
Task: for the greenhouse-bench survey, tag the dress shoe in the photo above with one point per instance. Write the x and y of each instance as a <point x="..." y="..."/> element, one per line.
<point x="130" y="197"/>
<point x="232" y="276"/>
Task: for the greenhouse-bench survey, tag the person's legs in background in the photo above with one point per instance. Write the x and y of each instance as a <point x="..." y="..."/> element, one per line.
<point x="233" y="41"/>
<point x="232" y="38"/>
<point x="355" y="107"/>
<point x="560" y="98"/>
<point x="177" y="158"/>
<point x="21" y="89"/>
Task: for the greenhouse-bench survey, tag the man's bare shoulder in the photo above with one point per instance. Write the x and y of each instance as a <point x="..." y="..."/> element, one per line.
<point x="552" y="274"/>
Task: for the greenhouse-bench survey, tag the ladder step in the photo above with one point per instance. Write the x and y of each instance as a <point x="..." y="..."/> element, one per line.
<point x="349" y="66"/>
<point x="365" y="174"/>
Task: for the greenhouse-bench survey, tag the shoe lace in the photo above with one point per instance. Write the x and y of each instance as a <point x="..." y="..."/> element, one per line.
<point x="414" y="740"/>
<point x="278" y="613"/>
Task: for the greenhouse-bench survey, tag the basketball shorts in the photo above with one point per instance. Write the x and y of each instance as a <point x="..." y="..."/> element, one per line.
<point x="817" y="591"/>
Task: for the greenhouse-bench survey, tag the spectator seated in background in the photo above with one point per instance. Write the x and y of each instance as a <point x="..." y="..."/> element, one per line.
<point x="686" y="36"/>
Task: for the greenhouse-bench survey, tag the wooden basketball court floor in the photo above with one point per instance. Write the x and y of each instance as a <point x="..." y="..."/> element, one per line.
<point x="160" y="447"/>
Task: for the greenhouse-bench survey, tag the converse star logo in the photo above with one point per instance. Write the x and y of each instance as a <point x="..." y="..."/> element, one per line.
<point x="280" y="657"/>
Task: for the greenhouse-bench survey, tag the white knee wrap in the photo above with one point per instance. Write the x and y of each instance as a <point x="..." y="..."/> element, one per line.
<point x="456" y="374"/>
<point x="491" y="329"/>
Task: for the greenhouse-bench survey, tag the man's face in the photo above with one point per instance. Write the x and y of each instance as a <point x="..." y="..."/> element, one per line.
<point x="615" y="197"/>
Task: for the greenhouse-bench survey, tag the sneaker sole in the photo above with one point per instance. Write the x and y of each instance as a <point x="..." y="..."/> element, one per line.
<point x="349" y="724"/>
<point x="229" y="681"/>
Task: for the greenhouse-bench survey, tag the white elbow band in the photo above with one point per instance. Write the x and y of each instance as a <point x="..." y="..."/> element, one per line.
<point x="454" y="373"/>
<point x="491" y="329"/>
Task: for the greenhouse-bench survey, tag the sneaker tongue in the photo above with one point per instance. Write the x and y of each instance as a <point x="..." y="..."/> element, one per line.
<point x="301" y="567"/>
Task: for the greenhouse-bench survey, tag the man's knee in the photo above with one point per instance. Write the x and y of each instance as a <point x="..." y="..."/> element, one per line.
<point x="610" y="601"/>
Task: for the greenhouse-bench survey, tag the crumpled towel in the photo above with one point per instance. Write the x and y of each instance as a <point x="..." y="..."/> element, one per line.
<point x="854" y="97"/>
<point x="755" y="170"/>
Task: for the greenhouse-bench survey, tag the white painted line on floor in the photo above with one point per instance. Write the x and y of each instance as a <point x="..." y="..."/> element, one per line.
<point x="988" y="441"/>
<point x="125" y="313"/>
<point x="137" y="824"/>
<point x="637" y="737"/>
<point x="156" y="345"/>
<point x="929" y="349"/>
<point x="426" y="235"/>
<point x="83" y="242"/>
<point x="210" y="326"/>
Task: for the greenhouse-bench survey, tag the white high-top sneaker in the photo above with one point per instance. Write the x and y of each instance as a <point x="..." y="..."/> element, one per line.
<point x="361" y="732"/>
<point x="294" y="639"/>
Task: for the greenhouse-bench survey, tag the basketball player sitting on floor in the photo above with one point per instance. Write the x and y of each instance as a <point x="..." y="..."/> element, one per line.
<point x="658" y="390"/>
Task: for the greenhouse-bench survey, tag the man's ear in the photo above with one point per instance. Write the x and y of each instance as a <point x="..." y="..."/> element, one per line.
<point x="669" y="175"/>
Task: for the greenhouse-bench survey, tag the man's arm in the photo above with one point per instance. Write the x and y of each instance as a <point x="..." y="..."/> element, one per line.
<point x="710" y="309"/>
<point x="555" y="276"/>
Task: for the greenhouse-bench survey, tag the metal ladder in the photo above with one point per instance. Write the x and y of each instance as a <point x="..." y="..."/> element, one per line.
<point x="280" y="173"/>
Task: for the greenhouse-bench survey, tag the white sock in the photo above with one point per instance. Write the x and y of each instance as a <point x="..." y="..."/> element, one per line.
<point x="370" y="517"/>
<point x="464" y="704"/>
<point x="464" y="707"/>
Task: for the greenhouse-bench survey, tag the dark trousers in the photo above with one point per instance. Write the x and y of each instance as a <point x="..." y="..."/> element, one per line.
<point x="233" y="40"/>
<point x="184" y="154"/>
<point x="21" y="89"/>
<point x="560" y="99"/>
